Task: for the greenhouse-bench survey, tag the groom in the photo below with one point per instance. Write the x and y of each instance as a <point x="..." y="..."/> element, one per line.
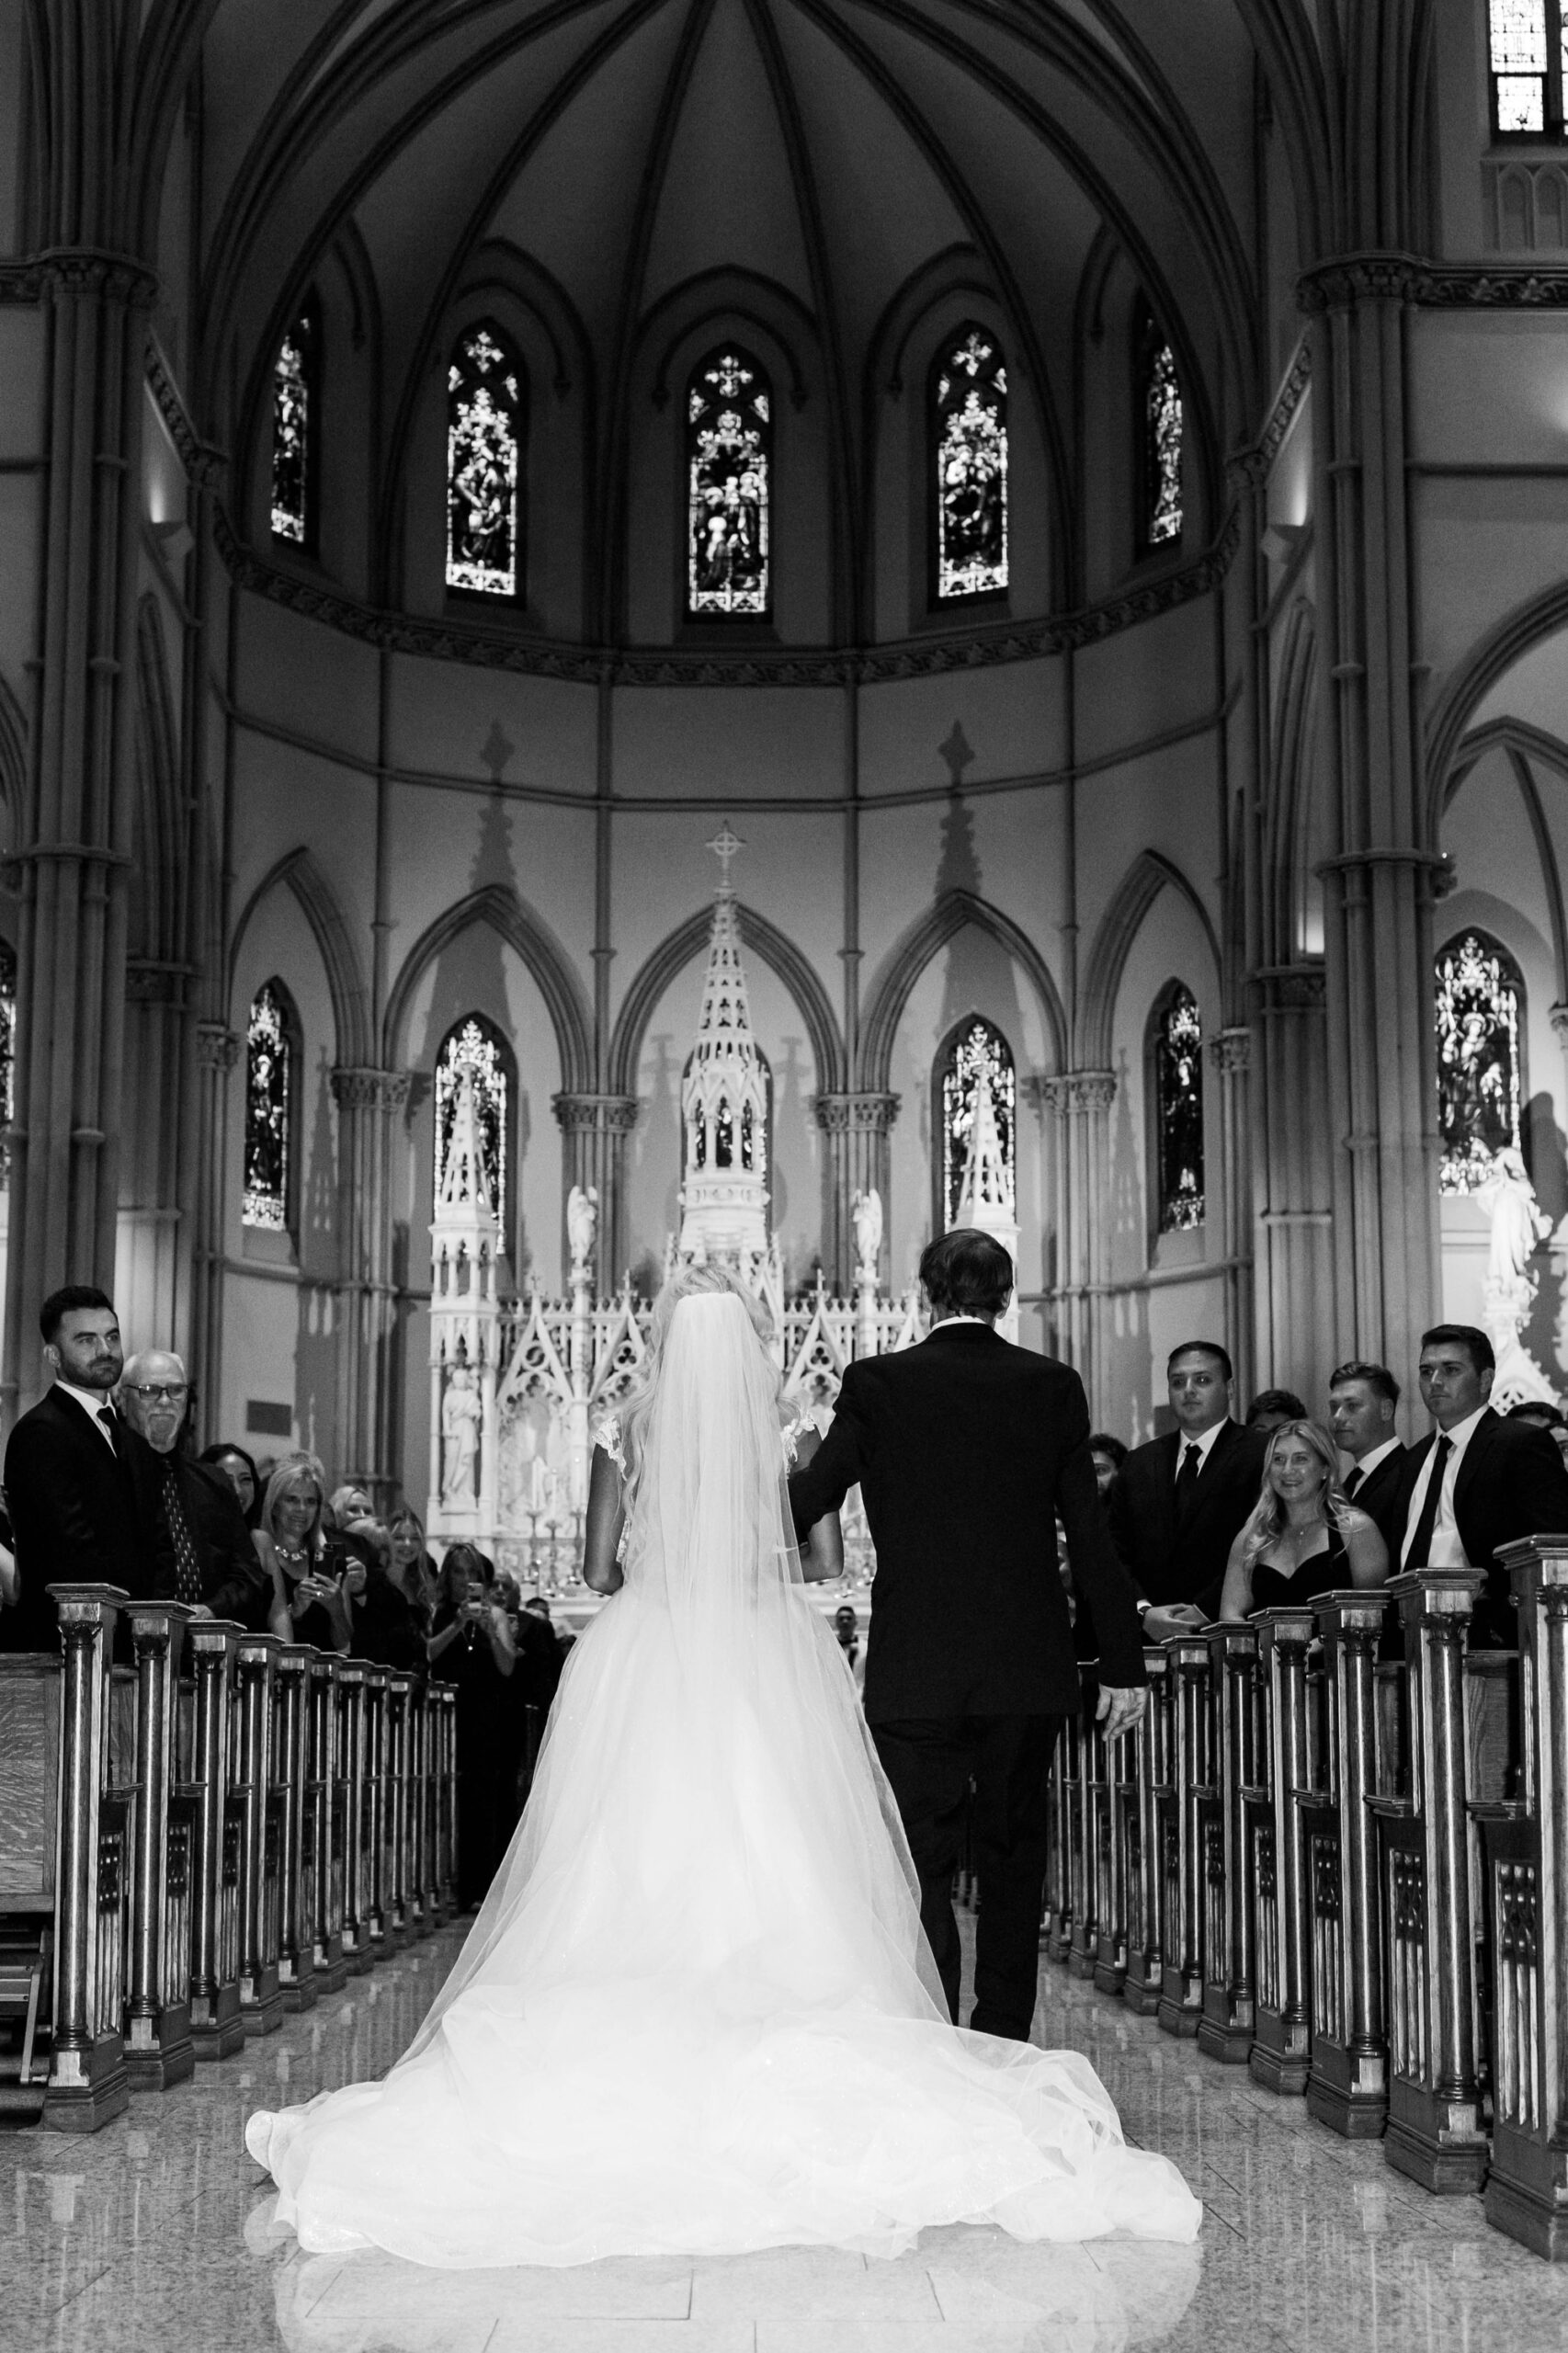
<point x="966" y="1450"/>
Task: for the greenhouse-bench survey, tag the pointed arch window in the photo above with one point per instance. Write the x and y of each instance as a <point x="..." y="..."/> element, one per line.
<point x="1479" y="1022"/>
<point x="1178" y="1110"/>
<point x="1161" y="425"/>
<point x="296" y="431"/>
<point x="486" y="434"/>
<point x="1528" y="54"/>
<point x="974" y="1045"/>
<point x="7" y="1054"/>
<point x="272" y="1072"/>
<point x="968" y="445"/>
<point x="477" y="1044"/>
<point x="729" y="487"/>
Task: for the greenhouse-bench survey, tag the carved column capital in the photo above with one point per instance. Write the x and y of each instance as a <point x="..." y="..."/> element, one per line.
<point x="1292" y="988"/>
<point x="217" y="1046"/>
<point x="614" y="1115"/>
<point x="355" y="1089"/>
<point x="858" y="1114"/>
<point x="1230" y="1050"/>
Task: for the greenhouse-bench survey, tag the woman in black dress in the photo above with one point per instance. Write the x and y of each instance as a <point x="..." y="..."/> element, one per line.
<point x="1301" y="1537"/>
<point x="305" y="1561"/>
<point x="470" y="1645"/>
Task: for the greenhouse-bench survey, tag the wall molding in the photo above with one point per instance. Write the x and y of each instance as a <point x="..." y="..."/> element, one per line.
<point x="1430" y="285"/>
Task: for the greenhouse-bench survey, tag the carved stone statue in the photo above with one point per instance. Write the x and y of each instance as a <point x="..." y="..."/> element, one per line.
<point x="1517" y="1225"/>
<point x="460" y="1410"/>
<point x="582" y="1225"/>
<point x="866" y="1212"/>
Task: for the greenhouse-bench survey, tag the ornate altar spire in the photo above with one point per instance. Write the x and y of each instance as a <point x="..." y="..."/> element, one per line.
<point x="986" y="1198"/>
<point x="725" y="1100"/>
<point x="465" y="1330"/>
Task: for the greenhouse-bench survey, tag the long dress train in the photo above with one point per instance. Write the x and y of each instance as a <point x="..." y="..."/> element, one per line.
<point x="696" y="2013"/>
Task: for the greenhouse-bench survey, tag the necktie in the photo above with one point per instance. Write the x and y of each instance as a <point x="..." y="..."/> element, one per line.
<point x="111" y="1425"/>
<point x="1420" y="1545"/>
<point x="187" y="1568"/>
<point x="1187" y="1477"/>
<point x="1352" y="1482"/>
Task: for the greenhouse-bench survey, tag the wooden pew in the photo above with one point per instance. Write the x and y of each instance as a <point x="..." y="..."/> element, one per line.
<point x="88" y="2082"/>
<point x="262" y="1837"/>
<point x="1145" y="1865"/>
<point x="1277" y="1867"/>
<point x="1227" y="2027"/>
<point x="31" y="1694"/>
<point x="1186" y="1798"/>
<point x="296" y="1857"/>
<point x="159" y="2046"/>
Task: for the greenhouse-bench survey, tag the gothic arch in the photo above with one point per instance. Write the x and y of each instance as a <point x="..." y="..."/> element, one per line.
<point x="1140" y="887"/>
<point x="925" y="939"/>
<point x="1489" y="660"/>
<point x="498" y="905"/>
<point x="159" y="878"/>
<point x="319" y="904"/>
<point x="690" y="939"/>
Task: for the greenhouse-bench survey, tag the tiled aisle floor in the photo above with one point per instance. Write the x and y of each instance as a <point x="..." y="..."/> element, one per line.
<point x="150" y="2237"/>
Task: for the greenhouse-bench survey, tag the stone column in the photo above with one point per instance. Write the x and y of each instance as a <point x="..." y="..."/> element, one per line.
<point x="1082" y="1100"/>
<point x="1230" y="1055"/>
<point x="217" y="1051"/>
<point x="594" y="1128"/>
<point x="857" y="1158"/>
<point x="1378" y="882"/>
<point x="73" y="861"/>
<point x="1289" y="1115"/>
<point x="368" y="1408"/>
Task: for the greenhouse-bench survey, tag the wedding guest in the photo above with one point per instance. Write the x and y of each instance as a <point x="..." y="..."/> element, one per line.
<point x="539" y="1663"/>
<point x="1271" y="1409"/>
<point x="209" y="1561"/>
<point x="240" y="1473"/>
<point x="412" y="1571"/>
<point x="1301" y="1537"/>
<point x="1180" y="1502"/>
<point x="83" y="1486"/>
<point x="537" y="1607"/>
<point x="1107" y="1455"/>
<point x="1362" y="1401"/>
<point x="472" y="1646"/>
<point x="305" y="1561"/>
<point x="1550" y="1418"/>
<point x="845" y="1626"/>
<point x="385" y="1628"/>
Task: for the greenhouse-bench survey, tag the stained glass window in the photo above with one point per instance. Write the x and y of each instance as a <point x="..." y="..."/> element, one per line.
<point x="295" y="373"/>
<point x="1160" y="428"/>
<point x="1178" y="1110"/>
<point x="729" y="494"/>
<point x="270" y="1041"/>
<point x="1528" y="52"/>
<point x="1479" y="1007"/>
<point x="973" y="1046"/>
<point x="486" y="416"/>
<point x="969" y="436"/>
<point x="7" y="1053"/>
<point x="476" y="1044"/>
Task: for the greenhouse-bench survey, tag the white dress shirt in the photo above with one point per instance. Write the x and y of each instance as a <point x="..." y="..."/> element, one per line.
<point x="1369" y="1462"/>
<point x="1448" y="1552"/>
<point x="92" y="1405"/>
<point x="1204" y="1442"/>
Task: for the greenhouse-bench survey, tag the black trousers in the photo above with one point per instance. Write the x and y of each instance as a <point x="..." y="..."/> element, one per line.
<point x="930" y="1762"/>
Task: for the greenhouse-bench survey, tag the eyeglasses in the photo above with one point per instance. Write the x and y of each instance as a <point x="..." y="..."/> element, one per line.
<point x="170" y="1393"/>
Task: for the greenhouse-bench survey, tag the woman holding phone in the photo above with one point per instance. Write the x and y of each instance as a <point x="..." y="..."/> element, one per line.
<point x="472" y="1646"/>
<point x="307" y="1566"/>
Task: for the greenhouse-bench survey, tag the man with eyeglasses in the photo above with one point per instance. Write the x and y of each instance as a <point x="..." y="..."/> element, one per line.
<point x="206" y="1558"/>
<point x="81" y="1485"/>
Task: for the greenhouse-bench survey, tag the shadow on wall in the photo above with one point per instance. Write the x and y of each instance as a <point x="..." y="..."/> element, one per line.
<point x="1128" y="1371"/>
<point x="315" y="1353"/>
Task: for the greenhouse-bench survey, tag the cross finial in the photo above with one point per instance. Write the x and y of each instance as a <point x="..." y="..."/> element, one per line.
<point x="958" y="753"/>
<point x="496" y="751"/>
<point x="724" y="845"/>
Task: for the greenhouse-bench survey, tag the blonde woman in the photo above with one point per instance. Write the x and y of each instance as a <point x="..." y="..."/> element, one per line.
<point x="697" y="2014"/>
<point x="1302" y="1538"/>
<point x="307" y="1568"/>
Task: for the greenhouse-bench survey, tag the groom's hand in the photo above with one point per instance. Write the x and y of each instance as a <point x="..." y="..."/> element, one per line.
<point x="1119" y="1709"/>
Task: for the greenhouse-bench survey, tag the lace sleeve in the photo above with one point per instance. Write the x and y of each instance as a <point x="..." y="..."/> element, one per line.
<point x="607" y="1435"/>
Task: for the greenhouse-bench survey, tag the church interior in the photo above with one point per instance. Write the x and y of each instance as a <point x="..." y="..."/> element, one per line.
<point x="637" y="629"/>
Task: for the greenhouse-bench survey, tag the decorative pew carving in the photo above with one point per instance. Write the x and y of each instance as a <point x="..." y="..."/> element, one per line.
<point x="1145" y="1873"/>
<point x="217" y="2028"/>
<point x="159" y="2048"/>
<point x="325" y="1812"/>
<point x="263" y="1835"/>
<point x="348" y="1708"/>
<point x="297" y="1858"/>
<point x="1347" y="2080"/>
<point x="1227" y="2027"/>
<point x="1187" y="1795"/>
<point x="1277" y="1857"/>
<point x="88" y="2082"/>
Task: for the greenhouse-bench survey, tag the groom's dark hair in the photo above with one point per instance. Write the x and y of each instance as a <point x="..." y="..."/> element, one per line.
<point x="967" y="1273"/>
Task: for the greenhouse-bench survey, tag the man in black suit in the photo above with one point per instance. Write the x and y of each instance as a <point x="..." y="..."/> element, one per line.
<point x="965" y="1450"/>
<point x="1180" y="1502"/>
<point x="1362" y="1401"/>
<point x="207" y="1558"/>
<point x="81" y="1485"/>
<point x="1477" y="1481"/>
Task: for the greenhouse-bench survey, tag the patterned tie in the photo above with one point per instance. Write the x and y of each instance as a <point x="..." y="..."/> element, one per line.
<point x="187" y="1568"/>
<point x="1417" y="1551"/>
<point x="1353" y="1480"/>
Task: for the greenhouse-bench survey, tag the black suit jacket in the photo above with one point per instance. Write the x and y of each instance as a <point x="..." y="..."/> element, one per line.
<point x="1379" y="1497"/>
<point x="1511" y="1483"/>
<point x="233" y="1583"/>
<point x="965" y="1449"/>
<point x="81" y="1515"/>
<point x="1172" y="1559"/>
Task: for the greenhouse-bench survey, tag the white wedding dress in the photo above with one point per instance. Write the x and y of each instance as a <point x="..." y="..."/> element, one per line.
<point x="697" y="2014"/>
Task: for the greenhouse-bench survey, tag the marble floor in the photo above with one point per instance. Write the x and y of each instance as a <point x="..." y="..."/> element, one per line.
<point x="153" y="2236"/>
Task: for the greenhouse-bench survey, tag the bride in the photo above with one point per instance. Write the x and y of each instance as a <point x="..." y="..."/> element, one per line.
<point x="696" y="2013"/>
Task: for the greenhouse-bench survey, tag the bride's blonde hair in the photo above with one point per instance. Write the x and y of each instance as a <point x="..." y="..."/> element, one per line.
<point x="688" y="1282"/>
